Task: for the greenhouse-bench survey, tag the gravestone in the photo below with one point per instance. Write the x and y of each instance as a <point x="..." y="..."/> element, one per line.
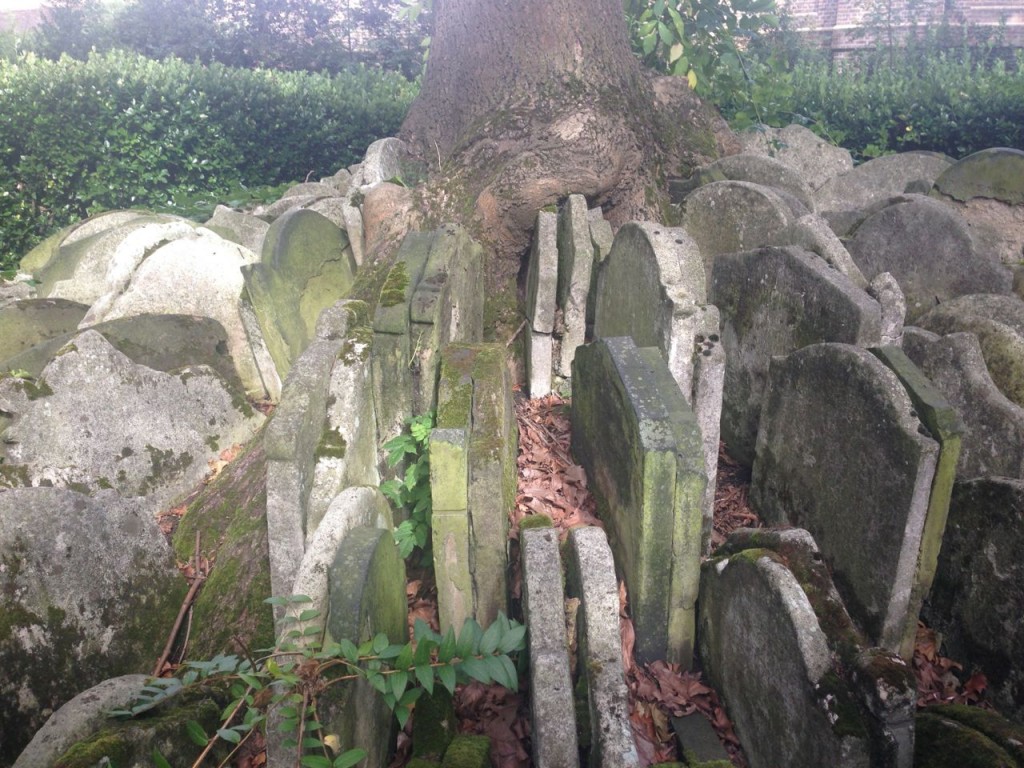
<point x="541" y="287"/>
<point x="575" y="266"/>
<point x="880" y="178"/>
<point x="27" y="323"/>
<point x="652" y="289"/>
<point x="772" y="302"/>
<point x="838" y="426"/>
<point x="812" y="233"/>
<point x="929" y="250"/>
<point x="815" y="159"/>
<point x="993" y="440"/>
<point x="239" y="227"/>
<point x="760" y="169"/>
<point x="641" y="446"/>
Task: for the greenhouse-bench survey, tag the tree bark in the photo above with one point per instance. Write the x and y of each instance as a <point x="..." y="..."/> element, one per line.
<point x="527" y="101"/>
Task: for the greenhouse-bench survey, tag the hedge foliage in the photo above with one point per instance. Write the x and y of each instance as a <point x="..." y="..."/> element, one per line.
<point x="120" y="130"/>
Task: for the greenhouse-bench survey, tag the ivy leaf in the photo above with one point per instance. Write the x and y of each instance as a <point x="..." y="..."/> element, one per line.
<point x="425" y="676"/>
<point x="477" y="670"/>
<point x="490" y="638"/>
<point x="398" y="682"/>
<point x="229" y="735"/>
<point x="446" y="675"/>
<point x="349" y="758"/>
<point x="196" y="732"/>
<point x="514" y="639"/>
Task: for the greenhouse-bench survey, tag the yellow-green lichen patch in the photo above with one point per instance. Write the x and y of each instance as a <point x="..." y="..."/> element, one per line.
<point x="332" y="445"/>
<point x="393" y="291"/>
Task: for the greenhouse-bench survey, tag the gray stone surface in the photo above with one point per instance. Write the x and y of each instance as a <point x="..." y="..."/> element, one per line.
<point x="94" y="419"/>
<point x="640" y="444"/>
<point x="838" y="425"/>
<point x="551" y="703"/>
<point x="590" y="577"/>
<point x="978" y="596"/>
<point x="307" y="265"/>
<point x="388" y="214"/>
<point x="773" y="301"/>
<point x="90" y="589"/>
<point x="450" y="529"/>
<point x="929" y="250"/>
<point x="310" y="189"/>
<point x="996" y="173"/>
<point x="813" y="158"/>
<point x="765" y="652"/>
<point x="732" y="216"/>
<point x="812" y="233"/>
<point x="880" y="178"/>
<point x="998" y="322"/>
<point x="575" y="268"/>
<point x="82" y="716"/>
<point x="382" y="162"/>
<point x="887" y="292"/>
<point x="346" y="217"/>
<point x="239" y="227"/>
<point x="539" y="359"/>
<point x="24" y="324"/>
<point x="993" y="441"/>
<point x="542" y="275"/>
<point x="652" y="289"/>
<point x="766" y="171"/>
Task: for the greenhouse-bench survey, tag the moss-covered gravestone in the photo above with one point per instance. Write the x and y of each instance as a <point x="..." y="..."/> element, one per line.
<point x="640" y="444"/>
<point x="24" y="324"/>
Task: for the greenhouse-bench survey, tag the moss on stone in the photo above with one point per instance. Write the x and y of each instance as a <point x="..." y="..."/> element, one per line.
<point x="395" y="285"/>
<point x="842" y="709"/>
<point x="941" y="742"/>
<point x="165" y="465"/>
<point x="434" y="724"/>
<point x="535" y="521"/>
<point x="14" y="476"/>
<point x="1008" y="735"/>
<point x="332" y="445"/>
<point x="107" y="745"/>
<point x="468" y="751"/>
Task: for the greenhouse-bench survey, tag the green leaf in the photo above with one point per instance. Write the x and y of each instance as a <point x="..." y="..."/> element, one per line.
<point x="349" y="650"/>
<point x="404" y="659"/>
<point x="446" y="675"/>
<point x="402" y="715"/>
<point x="377" y="681"/>
<point x="665" y="34"/>
<point x="469" y="638"/>
<point x="349" y="758"/>
<point x="477" y="670"/>
<point x="196" y="733"/>
<point x="315" y="761"/>
<point x="309" y="614"/>
<point x="398" y="682"/>
<point x="158" y="759"/>
<point x="229" y="735"/>
<point x="380" y="642"/>
<point x="425" y="676"/>
<point x="514" y="639"/>
<point x="490" y="638"/>
<point x="448" y="646"/>
<point x="498" y="671"/>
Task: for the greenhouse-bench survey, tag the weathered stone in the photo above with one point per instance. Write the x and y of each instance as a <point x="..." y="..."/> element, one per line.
<point x="732" y="216"/>
<point x="978" y="596"/>
<point x="765" y="652"/>
<point x="75" y="720"/>
<point x="641" y="446"/>
<point x="944" y="424"/>
<point x="341" y="180"/>
<point x="24" y="324"/>
<point x="838" y="425"/>
<point x="652" y="288"/>
<point x="12" y="291"/>
<point x="307" y="266"/>
<point x="367" y="584"/>
<point x="90" y="589"/>
<point x="41" y="255"/>
<point x="812" y="233"/>
<point x="382" y="162"/>
<point x="993" y="439"/>
<point x="880" y="178"/>
<point x="94" y="419"/>
<point x="887" y="292"/>
<point x="346" y="217"/>
<point x="575" y="267"/>
<point x="763" y="170"/>
<point x="590" y="577"/>
<point x="387" y="213"/>
<point x="698" y="741"/>
<point x="956" y="735"/>
<point x="542" y="274"/>
<point x="310" y="189"/>
<point x="995" y="173"/>
<point x="275" y="210"/>
<point x="930" y="252"/>
<point x="451" y="539"/>
<point x="998" y="322"/>
<point x="774" y="301"/>
<point x="551" y="703"/>
<point x="539" y="357"/>
<point x="239" y="227"/>
<point x="813" y="158"/>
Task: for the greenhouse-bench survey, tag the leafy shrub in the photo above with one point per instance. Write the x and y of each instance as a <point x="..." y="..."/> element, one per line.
<point x="411" y="492"/>
<point x="119" y="130"/>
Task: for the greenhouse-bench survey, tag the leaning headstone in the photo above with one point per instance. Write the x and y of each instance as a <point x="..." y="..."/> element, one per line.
<point x="766" y="652"/>
<point x="590" y="578"/>
<point x="652" y="289"/>
<point x="382" y="162"/>
<point x="450" y="531"/>
<point x="812" y="157"/>
<point x="541" y="285"/>
<point x="763" y="170"/>
<point x="978" y="597"/>
<point x="575" y="266"/>
<point x="347" y="217"/>
<point x="94" y="419"/>
<point x="813" y="233"/>
<point x="772" y="302"/>
<point x="640" y="443"/>
<point x="732" y="216"/>
<point x="884" y="289"/>
<point x="24" y="324"/>
<point x="834" y="415"/>
<point x="993" y="439"/>
<point x="367" y="584"/>
<point x="306" y="266"/>
<point x="998" y="322"/>
<point x="239" y="227"/>
<point x="929" y="250"/>
<point x="90" y="589"/>
<point x="880" y="178"/>
<point x="551" y="703"/>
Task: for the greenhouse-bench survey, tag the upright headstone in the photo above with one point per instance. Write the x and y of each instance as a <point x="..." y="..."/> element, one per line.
<point x="575" y="266"/>
<point x="774" y="301"/>
<point x="641" y="446"/>
<point x="541" y="287"/>
<point x="838" y="426"/>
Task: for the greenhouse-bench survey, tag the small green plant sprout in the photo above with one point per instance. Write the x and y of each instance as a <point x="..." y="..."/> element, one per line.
<point x="20" y="373"/>
<point x="411" y="492"/>
<point x="292" y="677"/>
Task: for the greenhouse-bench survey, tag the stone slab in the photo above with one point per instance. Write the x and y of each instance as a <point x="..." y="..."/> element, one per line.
<point x="812" y="157"/>
<point x="542" y="274"/>
<point x="879" y="178"/>
<point x="838" y="425"/>
<point x="813" y="233"/>
<point x="24" y="324"/>
<point x="452" y="569"/>
<point x="772" y="302"/>
<point x="641" y="447"/>
<point x="237" y="226"/>
<point x="764" y="170"/>
<point x="575" y="267"/>
<point x="552" y="708"/>
<point x="997" y="173"/>
<point x="538" y="362"/>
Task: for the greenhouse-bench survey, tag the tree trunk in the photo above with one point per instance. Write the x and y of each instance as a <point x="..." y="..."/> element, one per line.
<point x="527" y="101"/>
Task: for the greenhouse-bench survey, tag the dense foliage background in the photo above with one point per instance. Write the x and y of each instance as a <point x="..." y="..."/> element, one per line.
<point x="175" y="105"/>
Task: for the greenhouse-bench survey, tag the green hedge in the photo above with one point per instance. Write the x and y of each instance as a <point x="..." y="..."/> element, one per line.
<point x="120" y="130"/>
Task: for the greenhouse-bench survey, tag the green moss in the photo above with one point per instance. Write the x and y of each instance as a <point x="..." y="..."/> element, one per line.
<point x="212" y="442"/>
<point x="164" y="465"/>
<point x="941" y="742"/>
<point x="14" y="476"/>
<point x="34" y="389"/>
<point x="842" y="709"/>
<point x="434" y="724"/>
<point x="535" y="521"/>
<point x="393" y="291"/>
<point x="1007" y="735"/>
<point x="66" y="349"/>
<point x="467" y="751"/>
<point x="356" y="347"/>
<point x="82" y="488"/>
<point x="104" y="483"/>
<point x="332" y="445"/>
<point x="106" y="744"/>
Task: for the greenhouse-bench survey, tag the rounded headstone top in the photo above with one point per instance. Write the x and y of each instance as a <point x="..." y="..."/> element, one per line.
<point x="996" y="173"/>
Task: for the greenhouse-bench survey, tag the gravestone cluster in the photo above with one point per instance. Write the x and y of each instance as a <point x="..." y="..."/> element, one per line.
<point x="854" y="336"/>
